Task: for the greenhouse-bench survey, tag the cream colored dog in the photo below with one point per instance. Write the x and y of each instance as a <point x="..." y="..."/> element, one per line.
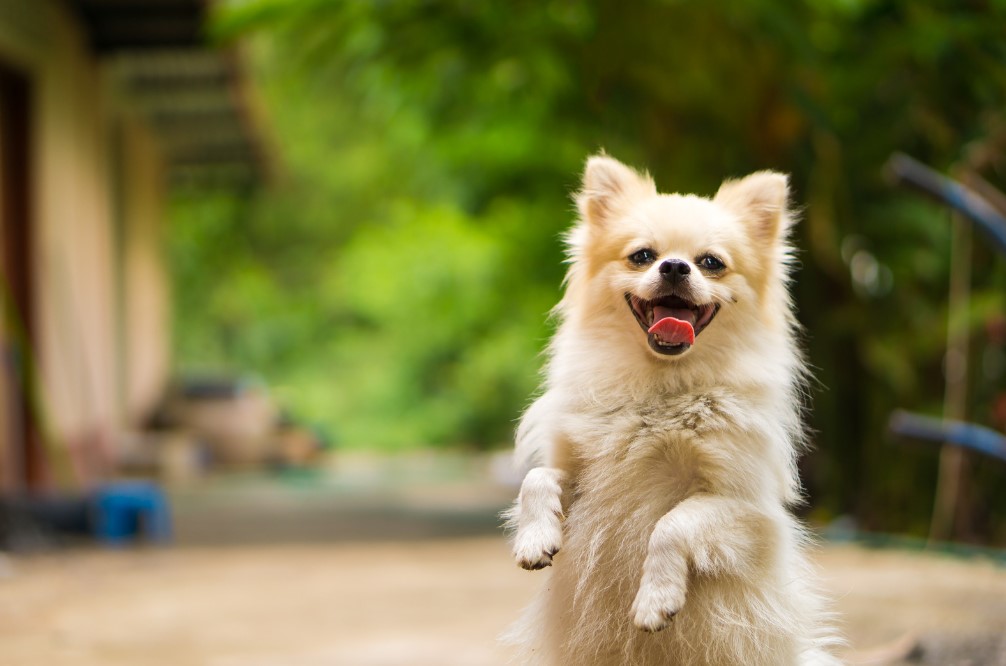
<point x="668" y="433"/>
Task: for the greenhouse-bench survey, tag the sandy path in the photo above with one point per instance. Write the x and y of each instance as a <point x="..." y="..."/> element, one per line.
<point x="433" y="602"/>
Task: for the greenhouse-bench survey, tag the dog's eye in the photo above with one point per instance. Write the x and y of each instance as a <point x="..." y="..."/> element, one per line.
<point x="643" y="257"/>
<point x="710" y="263"/>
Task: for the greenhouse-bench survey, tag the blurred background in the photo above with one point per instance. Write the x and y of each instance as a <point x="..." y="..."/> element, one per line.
<point x="275" y="279"/>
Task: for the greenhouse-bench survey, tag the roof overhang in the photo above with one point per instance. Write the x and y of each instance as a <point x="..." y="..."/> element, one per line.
<point x="192" y="94"/>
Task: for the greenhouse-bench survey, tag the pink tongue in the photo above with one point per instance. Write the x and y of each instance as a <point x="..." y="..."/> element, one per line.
<point x="673" y="325"/>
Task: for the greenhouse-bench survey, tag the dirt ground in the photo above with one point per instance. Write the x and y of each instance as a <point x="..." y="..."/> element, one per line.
<point x="428" y="602"/>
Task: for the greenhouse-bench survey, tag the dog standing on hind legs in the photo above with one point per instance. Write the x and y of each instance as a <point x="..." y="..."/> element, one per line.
<point x="667" y="435"/>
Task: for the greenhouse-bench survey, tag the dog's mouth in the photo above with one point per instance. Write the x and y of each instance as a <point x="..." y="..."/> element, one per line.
<point x="671" y="322"/>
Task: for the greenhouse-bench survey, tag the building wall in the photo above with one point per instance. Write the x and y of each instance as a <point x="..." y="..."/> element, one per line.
<point x="7" y="426"/>
<point x="101" y="338"/>
<point x="146" y="325"/>
<point x="16" y="297"/>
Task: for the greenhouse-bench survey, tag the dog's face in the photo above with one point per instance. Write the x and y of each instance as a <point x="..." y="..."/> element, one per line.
<point x="673" y="268"/>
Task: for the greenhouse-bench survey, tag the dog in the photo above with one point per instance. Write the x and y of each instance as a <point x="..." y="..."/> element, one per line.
<point x="667" y="434"/>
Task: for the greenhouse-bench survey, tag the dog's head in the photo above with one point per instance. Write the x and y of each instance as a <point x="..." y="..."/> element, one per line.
<point x="672" y="268"/>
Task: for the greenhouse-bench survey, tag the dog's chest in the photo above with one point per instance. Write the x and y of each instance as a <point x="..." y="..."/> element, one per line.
<point x="664" y="437"/>
<point x="635" y="461"/>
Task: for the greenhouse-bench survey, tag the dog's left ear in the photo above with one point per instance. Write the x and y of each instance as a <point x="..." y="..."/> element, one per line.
<point x="761" y="202"/>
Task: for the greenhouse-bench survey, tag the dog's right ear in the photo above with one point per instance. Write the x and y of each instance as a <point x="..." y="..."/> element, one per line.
<point x="608" y="188"/>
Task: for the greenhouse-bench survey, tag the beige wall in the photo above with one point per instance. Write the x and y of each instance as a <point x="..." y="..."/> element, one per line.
<point x="94" y="383"/>
<point x="146" y="289"/>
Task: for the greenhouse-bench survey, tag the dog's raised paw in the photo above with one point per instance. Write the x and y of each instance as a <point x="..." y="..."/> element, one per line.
<point x="539" y="517"/>
<point x="653" y="625"/>
<point x="654" y="609"/>
<point x="535" y="564"/>
<point x="531" y="555"/>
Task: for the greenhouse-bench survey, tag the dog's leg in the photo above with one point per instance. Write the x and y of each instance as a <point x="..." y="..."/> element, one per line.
<point x="537" y="516"/>
<point x="708" y="534"/>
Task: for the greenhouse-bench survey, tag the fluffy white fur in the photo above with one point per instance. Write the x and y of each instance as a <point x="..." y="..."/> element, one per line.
<point x="662" y="492"/>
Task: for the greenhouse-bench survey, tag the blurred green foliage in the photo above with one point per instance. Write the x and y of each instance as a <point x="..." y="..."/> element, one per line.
<point x="395" y="279"/>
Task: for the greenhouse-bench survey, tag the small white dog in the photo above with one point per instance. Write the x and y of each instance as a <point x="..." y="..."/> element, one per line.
<point x="668" y="460"/>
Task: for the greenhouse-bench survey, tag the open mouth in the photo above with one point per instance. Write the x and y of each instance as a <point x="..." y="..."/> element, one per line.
<point x="671" y="322"/>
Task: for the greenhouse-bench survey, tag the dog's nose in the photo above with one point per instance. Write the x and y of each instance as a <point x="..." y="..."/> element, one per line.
<point x="675" y="269"/>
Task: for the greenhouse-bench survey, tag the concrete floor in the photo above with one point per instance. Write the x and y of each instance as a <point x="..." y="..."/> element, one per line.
<point x="435" y="602"/>
<point x="399" y="563"/>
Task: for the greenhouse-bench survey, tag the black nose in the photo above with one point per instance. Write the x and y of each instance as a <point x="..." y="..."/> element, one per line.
<point x="675" y="269"/>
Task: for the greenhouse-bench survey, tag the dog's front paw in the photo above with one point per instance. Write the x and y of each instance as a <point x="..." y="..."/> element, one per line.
<point x="656" y="605"/>
<point x="538" y="517"/>
<point x="535" y="544"/>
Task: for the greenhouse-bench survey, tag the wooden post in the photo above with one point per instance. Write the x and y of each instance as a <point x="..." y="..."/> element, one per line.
<point x="953" y="461"/>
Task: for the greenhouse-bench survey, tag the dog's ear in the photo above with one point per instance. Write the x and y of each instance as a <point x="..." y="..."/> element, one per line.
<point x="761" y="202"/>
<point x="608" y="188"/>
